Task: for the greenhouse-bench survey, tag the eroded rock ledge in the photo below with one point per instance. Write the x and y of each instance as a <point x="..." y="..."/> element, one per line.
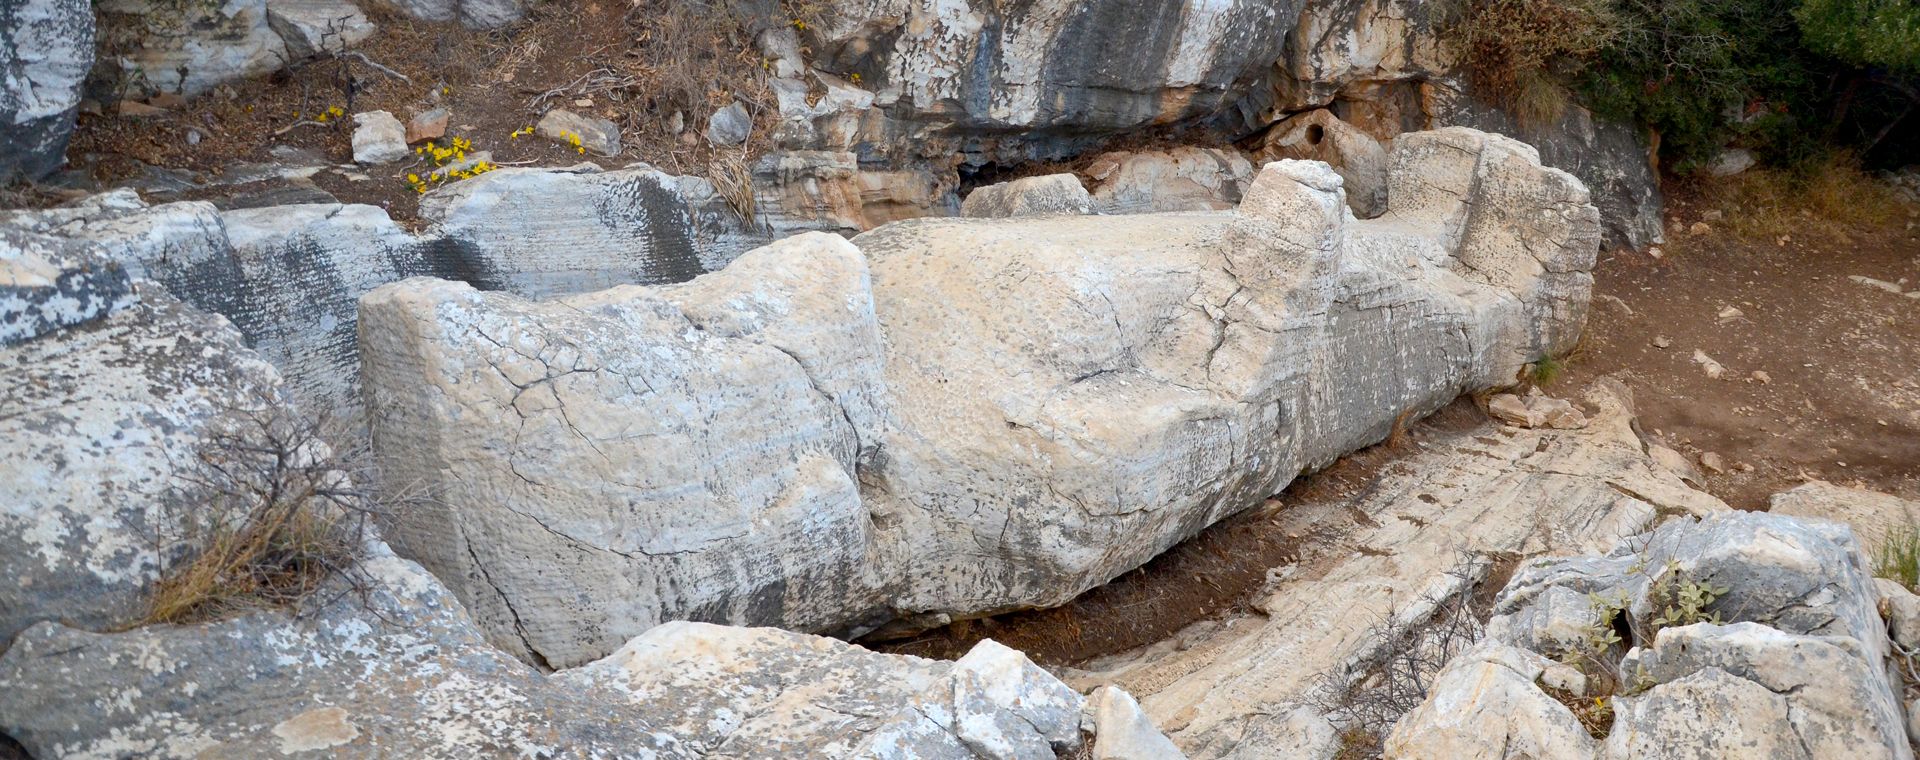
<point x="950" y="417"/>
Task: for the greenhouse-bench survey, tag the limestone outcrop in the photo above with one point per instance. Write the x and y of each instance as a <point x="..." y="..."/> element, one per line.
<point x="971" y="415"/>
<point x="46" y="48"/>
<point x="1422" y="531"/>
<point x="96" y="419"/>
<point x="1748" y="634"/>
<point x="1029" y="196"/>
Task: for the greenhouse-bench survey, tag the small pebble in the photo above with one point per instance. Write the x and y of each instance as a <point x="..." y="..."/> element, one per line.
<point x="1662" y="341"/>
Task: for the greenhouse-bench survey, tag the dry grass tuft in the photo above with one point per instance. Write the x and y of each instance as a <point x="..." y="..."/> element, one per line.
<point x="1825" y="198"/>
<point x="268" y="513"/>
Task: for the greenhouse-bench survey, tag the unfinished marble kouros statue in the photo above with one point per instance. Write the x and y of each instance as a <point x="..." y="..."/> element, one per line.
<point x="950" y="417"/>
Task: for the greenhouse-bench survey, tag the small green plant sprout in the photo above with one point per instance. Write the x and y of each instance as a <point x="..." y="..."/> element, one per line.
<point x="1544" y="370"/>
<point x="1898" y="559"/>
<point x="1678" y="600"/>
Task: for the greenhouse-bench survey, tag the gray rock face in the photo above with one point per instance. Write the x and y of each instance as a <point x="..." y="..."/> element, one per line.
<point x="1003" y="412"/>
<point x="1029" y="196"/>
<point x="188" y="48"/>
<point x="47" y="283"/>
<point x="289" y="277"/>
<point x="46" y="48"/>
<point x="1798" y="669"/>
<point x="313" y="27"/>
<point x="1045" y="72"/>
<point x="1874" y="517"/>
<point x="400" y="671"/>
<point x="1487" y="706"/>
<point x="479" y="14"/>
<point x="95" y="419"/>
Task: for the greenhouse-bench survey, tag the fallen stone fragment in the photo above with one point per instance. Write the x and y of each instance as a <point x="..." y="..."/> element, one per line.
<point x="1713" y="463"/>
<point x="315" y="27"/>
<point x="378" y="138"/>
<point x="1713" y="368"/>
<point x="1761" y="377"/>
<point x="1486" y="705"/>
<point x="1675" y="462"/>
<point x="1182" y="179"/>
<point x="1730" y="314"/>
<point x="729" y="126"/>
<point x="428" y="125"/>
<point x="1029" y="196"/>
<point x="593" y="134"/>
<point x="1122" y="732"/>
<point x="1879" y="284"/>
<point x="1662" y="341"/>
<point x="1698" y="229"/>
<point x="1510" y="409"/>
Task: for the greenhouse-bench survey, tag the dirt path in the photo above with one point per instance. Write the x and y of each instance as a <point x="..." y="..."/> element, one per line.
<point x="1841" y="360"/>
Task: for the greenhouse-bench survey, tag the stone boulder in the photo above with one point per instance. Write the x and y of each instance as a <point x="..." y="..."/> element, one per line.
<point x="316" y="27"/>
<point x="96" y="419"/>
<point x="478" y="14"/>
<point x="46" y="48"/>
<point x="290" y="276"/>
<point x="1358" y="158"/>
<point x="762" y="378"/>
<point x="1788" y="659"/>
<point x="1487" y="706"/>
<point x="1029" y="196"/>
<point x="1182" y="179"/>
<point x="392" y="667"/>
<point x="189" y="48"/>
<point x="977" y="415"/>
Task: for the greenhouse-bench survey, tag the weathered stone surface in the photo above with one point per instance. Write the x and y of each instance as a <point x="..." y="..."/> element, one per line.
<point x="1059" y="399"/>
<point x="289" y="276"/>
<point x="1735" y="690"/>
<point x="545" y="232"/>
<point x="95" y="420"/>
<point x="1122" y="732"/>
<point x="479" y="14"/>
<point x="378" y="138"/>
<point x="188" y="48"/>
<point x="313" y="27"/>
<point x="528" y="420"/>
<point x="1029" y="196"/>
<point x="1797" y="670"/>
<point x="1027" y="80"/>
<point x="1478" y="492"/>
<point x="1486" y="706"/>
<point x="799" y="191"/>
<point x="1358" y="158"/>
<point x="1874" y="517"/>
<point x="47" y="283"/>
<point x="1182" y="179"/>
<point x="400" y="671"/>
<point x="729" y="126"/>
<point x="590" y="133"/>
<point x="46" y="48"/>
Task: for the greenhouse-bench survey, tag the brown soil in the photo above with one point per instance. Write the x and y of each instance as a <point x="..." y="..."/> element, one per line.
<point x="1842" y="401"/>
<point x="494" y="83"/>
